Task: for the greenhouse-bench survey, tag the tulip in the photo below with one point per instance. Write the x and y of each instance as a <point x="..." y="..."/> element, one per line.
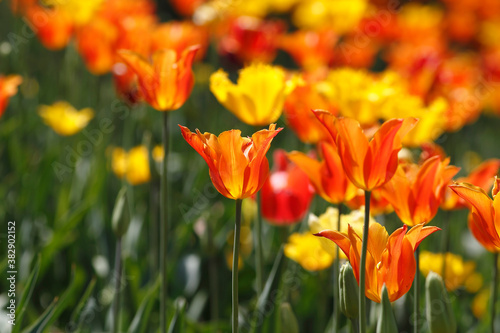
<point x="481" y="176"/>
<point x="327" y="176"/>
<point x="369" y="164"/>
<point x="166" y="82"/>
<point x="483" y="221"/>
<point x="133" y="165"/>
<point x="64" y="119"/>
<point x="56" y="30"/>
<point x="306" y="250"/>
<point x="258" y="97"/>
<point x="238" y="166"/>
<point x="8" y="88"/>
<point x="251" y="39"/>
<point x="286" y="194"/>
<point x="417" y="192"/>
<point x="390" y="261"/>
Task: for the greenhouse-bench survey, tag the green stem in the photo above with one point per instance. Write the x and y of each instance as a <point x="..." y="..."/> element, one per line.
<point x="164" y="227"/>
<point x="212" y="271"/>
<point x="445" y="243"/>
<point x="494" y="288"/>
<point x="336" y="270"/>
<point x="416" y="290"/>
<point x="236" y="250"/>
<point x="258" y="248"/>
<point x="118" y="278"/>
<point x="362" y="269"/>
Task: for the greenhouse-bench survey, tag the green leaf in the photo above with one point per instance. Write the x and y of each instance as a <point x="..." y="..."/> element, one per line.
<point x="28" y="290"/>
<point x="75" y="321"/>
<point x="59" y="304"/>
<point x="140" y="322"/>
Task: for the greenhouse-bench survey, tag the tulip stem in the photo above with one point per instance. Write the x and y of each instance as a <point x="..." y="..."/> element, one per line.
<point x="164" y="227"/>
<point x="236" y="250"/>
<point x="446" y="243"/>
<point x="494" y="289"/>
<point x="362" y="270"/>
<point x="258" y="248"/>
<point x="118" y="278"/>
<point x="336" y="270"/>
<point x="416" y="290"/>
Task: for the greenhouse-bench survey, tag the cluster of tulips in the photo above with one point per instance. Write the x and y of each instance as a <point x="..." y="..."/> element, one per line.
<point x="362" y="129"/>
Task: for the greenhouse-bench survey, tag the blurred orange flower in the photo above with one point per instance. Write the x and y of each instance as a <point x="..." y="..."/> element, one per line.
<point x="238" y="166"/>
<point x="416" y="192"/>
<point x="327" y="176"/>
<point x="251" y="39"/>
<point x="167" y="81"/>
<point x="298" y="115"/>
<point x="53" y="26"/>
<point x="484" y="213"/>
<point x="390" y="259"/>
<point x="179" y="36"/>
<point x="310" y="48"/>
<point x="8" y="88"/>
<point x="369" y="164"/>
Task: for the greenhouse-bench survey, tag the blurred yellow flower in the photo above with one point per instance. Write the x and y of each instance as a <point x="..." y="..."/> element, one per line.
<point x="64" y="118"/>
<point x="480" y="303"/>
<point x="359" y="94"/>
<point x="328" y="221"/>
<point x="458" y="272"/>
<point x="258" y="97"/>
<point x="306" y="249"/>
<point x="158" y="153"/>
<point x="134" y="165"/>
<point x="341" y="15"/>
<point x="432" y="118"/>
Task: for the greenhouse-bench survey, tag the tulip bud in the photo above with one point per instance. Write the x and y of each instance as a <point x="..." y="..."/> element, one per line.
<point x="289" y="323"/>
<point x="386" y="321"/>
<point x="349" y="291"/>
<point x="120" y="219"/>
<point x="438" y="306"/>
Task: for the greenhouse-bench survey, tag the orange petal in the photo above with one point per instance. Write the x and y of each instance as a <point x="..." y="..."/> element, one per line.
<point x="418" y="233"/>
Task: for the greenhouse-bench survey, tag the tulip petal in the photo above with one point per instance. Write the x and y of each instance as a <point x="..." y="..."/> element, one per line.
<point x="418" y="233"/>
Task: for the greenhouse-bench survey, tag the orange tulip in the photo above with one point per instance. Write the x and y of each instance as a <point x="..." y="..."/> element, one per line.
<point x="8" y="88"/>
<point x="481" y="176"/>
<point x="416" y="192"/>
<point x="390" y="259"/>
<point x="54" y="27"/>
<point x="238" y="166"/>
<point x="327" y="176"/>
<point x="166" y="82"/>
<point x="485" y="213"/>
<point x="310" y="48"/>
<point x="297" y="111"/>
<point x="369" y="164"/>
<point x="179" y="35"/>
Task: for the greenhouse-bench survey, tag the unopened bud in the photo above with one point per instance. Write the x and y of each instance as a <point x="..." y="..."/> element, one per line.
<point x="289" y="323"/>
<point x="438" y="306"/>
<point x="120" y="219"/>
<point x="348" y="292"/>
<point x="386" y="321"/>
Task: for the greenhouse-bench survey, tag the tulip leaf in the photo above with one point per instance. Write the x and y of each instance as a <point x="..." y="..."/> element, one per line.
<point x="28" y="291"/>
<point x="140" y="322"/>
<point x="75" y="316"/>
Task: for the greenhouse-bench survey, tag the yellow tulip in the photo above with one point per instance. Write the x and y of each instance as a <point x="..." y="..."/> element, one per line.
<point x="328" y="221"/>
<point x="64" y="118"/>
<point x="134" y="165"/>
<point x="306" y="250"/>
<point x="258" y="97"/>
<point x="457" y="272"/>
